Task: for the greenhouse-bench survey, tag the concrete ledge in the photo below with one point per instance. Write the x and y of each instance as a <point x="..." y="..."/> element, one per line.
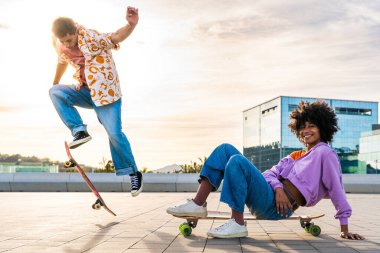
<point x="160" y="182"/>
<point x="73" y="182"/>
<point x="5" y="179"/>
<point x="361" y="183"/>
<point x="38" y="182"/>
<point x="103" y="182"/>
<point x="187" y="182"/>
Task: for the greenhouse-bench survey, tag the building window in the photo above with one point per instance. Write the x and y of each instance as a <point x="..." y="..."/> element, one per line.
<point x="292" y="107"/>
<point x="353" y="111"/>
<point x="268" y="111"/>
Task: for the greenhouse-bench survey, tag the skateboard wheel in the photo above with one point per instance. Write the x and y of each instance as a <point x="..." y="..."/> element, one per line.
<point x="185" y="229"/>
<point x="67" y="164"/>
<point x="315" y="230"/>
<point x="96" y="206"/>
<point x="306" y="226"/>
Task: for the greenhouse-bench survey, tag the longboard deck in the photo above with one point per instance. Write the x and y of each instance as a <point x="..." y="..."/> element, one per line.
<point x="72" y="162"/>
<point x="216" y="215"/>
<point x="191" y="221"/>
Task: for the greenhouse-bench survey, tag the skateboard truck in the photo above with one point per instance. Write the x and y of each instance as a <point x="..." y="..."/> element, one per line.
<point x="187" y="227"/>
<point x="309" y="227"/>
<point x="97" y="205"/>
<point x="69" y="164"/>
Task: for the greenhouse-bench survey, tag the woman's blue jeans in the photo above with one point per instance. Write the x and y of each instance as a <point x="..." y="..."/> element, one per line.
<point x="243" y="183"/>
<point x="66" y="97"/>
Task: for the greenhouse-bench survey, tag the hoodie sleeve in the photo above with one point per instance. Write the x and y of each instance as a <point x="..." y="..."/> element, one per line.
<point x="332" y="180"/>
<point x="272" y="175"/>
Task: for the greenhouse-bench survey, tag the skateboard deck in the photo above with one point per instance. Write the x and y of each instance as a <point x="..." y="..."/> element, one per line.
<point x="99" y="203"/>
<point x="191" y="222"/>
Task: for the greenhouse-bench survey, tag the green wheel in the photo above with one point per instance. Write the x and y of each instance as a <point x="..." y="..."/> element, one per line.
<point x="315" y="230"/>
<point x="185" y="229"/>
<point x="307" y="229"/>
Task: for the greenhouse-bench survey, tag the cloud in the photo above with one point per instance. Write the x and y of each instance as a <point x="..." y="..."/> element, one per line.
<point x="269" y="18"/>
<point x="4" y="26"/>
<point x="298" y="37"/>
<point x="5" y="108"/>
<point x="238" y="28"/>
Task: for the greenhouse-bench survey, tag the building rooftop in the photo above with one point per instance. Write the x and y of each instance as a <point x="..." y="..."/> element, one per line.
<point x="65" y="222"/>
<point x="365" y="101"/>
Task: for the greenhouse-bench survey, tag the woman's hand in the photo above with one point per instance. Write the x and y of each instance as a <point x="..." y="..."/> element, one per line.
<point x="351" y="236"/>
<point x="282" y="202"/>
<point x="347" y="235"/>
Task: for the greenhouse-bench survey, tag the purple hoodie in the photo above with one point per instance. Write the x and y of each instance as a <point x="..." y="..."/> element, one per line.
<point x="317" y="175"/>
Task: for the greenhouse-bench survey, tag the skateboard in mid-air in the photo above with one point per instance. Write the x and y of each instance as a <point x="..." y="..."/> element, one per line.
<point x="191" y="222"/>
<point x="99" y="203"/>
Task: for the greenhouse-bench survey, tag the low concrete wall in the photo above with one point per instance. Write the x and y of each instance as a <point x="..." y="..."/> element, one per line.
<point x="362" y="183"/>
<point x="73" y="182"/>
<point x="104" y="182"/>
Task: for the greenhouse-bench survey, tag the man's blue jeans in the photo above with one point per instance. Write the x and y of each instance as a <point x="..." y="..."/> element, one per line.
<point x="66" y="97"/>
<point x="243" y="183"/>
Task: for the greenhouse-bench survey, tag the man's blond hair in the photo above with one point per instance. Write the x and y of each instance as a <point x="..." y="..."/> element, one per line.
<point x="63" y="26"/>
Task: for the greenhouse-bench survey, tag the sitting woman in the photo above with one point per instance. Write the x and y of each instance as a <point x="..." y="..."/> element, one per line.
<point x="301" y="179"/>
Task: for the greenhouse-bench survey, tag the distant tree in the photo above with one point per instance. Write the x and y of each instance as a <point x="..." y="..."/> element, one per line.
<point x="193" y="167"/>
<point x="17" y="158"/>
<point x="145" y="170"/>
<point x="106" y="166"/>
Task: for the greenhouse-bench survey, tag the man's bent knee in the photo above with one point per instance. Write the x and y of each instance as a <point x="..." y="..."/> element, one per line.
<point x="55" y="91"/>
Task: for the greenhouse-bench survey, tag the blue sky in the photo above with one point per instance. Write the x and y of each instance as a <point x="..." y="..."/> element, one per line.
<point x="188" y="71"/>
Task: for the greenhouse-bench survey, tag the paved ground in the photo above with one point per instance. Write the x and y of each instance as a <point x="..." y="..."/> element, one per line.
<point x="65" y="222"/>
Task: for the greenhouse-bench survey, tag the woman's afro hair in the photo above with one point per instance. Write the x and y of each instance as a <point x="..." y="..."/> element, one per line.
<point x="318" y="113"/>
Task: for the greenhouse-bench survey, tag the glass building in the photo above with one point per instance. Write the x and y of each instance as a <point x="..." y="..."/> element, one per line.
<point x="369" y="147"/>
<point x="267" y="137"/>
<point x="28" y="167"/>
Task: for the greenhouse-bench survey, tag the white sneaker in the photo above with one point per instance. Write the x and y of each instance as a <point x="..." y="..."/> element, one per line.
<point x="188" y="209"/>
<point x="230" y="229"/>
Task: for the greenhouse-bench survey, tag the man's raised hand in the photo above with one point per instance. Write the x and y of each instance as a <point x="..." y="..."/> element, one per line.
<point x="132" y="15"/>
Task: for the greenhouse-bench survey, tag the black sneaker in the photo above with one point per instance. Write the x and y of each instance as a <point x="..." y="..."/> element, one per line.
<point x="80" y="138"/>
<point x="136" y="183"/>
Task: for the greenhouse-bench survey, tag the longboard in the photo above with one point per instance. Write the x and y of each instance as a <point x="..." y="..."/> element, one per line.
<point x="99" y="203"/>
<point x="191" y="222"/>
